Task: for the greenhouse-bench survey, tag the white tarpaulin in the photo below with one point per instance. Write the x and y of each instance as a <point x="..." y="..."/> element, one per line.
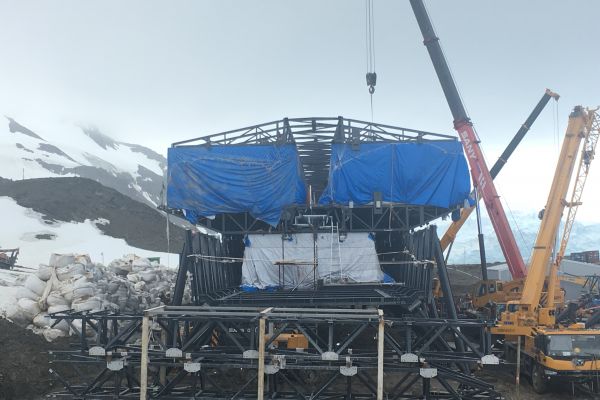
<point x="352" y="260"/>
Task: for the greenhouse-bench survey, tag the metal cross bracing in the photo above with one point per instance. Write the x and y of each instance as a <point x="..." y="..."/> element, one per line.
<point x="280" y="353"/>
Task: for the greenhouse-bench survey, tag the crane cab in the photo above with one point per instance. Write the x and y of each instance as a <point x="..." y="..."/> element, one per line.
<point x="558" y="356"/>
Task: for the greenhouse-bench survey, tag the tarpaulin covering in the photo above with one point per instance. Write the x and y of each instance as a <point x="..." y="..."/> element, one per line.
<point x="432" y="173"/>
<point x="259" y="179"/>
<point x="352" y="260"/>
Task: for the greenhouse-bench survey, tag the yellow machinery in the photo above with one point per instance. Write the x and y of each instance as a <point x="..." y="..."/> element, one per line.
<point x="495" y="292"/>
<point x="550" y="351"/>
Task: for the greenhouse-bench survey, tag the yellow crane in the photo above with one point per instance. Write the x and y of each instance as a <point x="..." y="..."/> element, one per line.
<point x="550" y="351"/>
<point x="498" y="292"/>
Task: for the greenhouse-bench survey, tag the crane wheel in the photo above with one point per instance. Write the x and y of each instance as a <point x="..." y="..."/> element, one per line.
<point x="538" y="379"/>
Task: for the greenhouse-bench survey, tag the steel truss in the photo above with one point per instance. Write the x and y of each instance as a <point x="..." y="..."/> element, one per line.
<point x="400" y="217"/>
<point x="328" y="296"/>
<point x="279" y="353"/>
<point x="409" y="258"/>
<point x="313" y="137"/>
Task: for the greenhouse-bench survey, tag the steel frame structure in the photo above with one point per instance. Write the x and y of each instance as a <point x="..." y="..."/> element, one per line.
<point x="373" y="295"/>
<point x="400" y="217"/>
<point x="585" y="159"/>
<point x="190" y="352"/>
<point x="313" y="137"/>
<point x="214" y="271"/>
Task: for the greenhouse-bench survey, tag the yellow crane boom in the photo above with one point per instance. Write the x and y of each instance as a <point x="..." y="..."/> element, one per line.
<point x="542" y="250"/>
<point x="587" y="155"/>
<point x="585" y="159"/>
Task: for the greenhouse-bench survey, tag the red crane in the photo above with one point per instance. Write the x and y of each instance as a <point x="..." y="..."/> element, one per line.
<point x="482" y="180"/>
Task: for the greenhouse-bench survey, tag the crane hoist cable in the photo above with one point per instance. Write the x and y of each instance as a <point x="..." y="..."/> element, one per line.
<point x="370" y="49"/>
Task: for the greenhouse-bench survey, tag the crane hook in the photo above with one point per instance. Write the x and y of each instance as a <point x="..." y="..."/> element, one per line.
<point x="371" y="81"/>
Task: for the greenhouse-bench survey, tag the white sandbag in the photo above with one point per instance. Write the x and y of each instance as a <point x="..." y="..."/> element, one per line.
<point x="13" y="313"/>
<point x="81" y="282"/>
<point x="83" y="292"/>
<point x="140" y="264"/>
<point x="107" y="305"/>
<point x="29" y="308"/>
<point x="61" y="260"/>
<point x="70" y="271"/>
<point x="77" y="325"/>
<point x="89" y="304"/>
<point x="58" y="308"/>
<point x="24" y="293"/>
<point x="44" y="272"/>
<point x="97" y="272"/>
<point x="147" y="276"/>
<point x="35" y="284"/>
<point x="42" y="320"/>
<point x="121" y="266"/>
<point x="55" y="299"/>
<point x="132" y="304"/>
<point x="99" y="295"/>
<point x="139" y="286"/>
<point x="50" y="285"/>
<point x="52" y="334"/>
<point x="133" y="277"/>
<point x="83" y="259"/>
<point x="113" y="287"/>
<point x="67" y="293"/>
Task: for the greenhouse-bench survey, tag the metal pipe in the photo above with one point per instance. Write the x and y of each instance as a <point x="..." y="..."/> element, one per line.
<point x="144" y="357"/>
<point x="484" y="274"/>
<point x="261" y="359"/>
<point x="380" y="354"/>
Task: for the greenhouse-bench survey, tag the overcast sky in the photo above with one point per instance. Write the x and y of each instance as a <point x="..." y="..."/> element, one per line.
<point x="154" y="72"/>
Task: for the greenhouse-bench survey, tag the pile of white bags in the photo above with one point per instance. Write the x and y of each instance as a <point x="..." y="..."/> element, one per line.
<point x="73" y="282"/>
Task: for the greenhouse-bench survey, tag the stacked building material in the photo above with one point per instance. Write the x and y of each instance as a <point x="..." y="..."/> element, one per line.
<point x="74" y="282"/>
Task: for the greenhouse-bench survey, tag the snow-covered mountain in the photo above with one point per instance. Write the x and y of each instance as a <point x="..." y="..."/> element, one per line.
<point x="71" y="150"/>
<point x="525" y="226"/>
<point x="70" y="188"/>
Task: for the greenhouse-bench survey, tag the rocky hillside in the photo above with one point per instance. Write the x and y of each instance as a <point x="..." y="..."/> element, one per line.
<point x="47" y="215"/>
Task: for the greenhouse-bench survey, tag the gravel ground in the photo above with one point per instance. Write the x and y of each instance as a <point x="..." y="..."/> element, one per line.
<point x="24" y="363"/>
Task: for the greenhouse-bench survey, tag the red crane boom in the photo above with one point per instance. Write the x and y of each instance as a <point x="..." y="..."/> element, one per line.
<point x="482" y="180"/>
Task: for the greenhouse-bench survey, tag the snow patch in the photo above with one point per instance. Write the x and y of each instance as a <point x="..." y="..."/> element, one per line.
<point x="69" y="237"/>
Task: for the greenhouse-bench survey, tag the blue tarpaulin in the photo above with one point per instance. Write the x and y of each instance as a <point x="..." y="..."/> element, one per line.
<point x="259" y="179"/>
<point x="430" y="173"/>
